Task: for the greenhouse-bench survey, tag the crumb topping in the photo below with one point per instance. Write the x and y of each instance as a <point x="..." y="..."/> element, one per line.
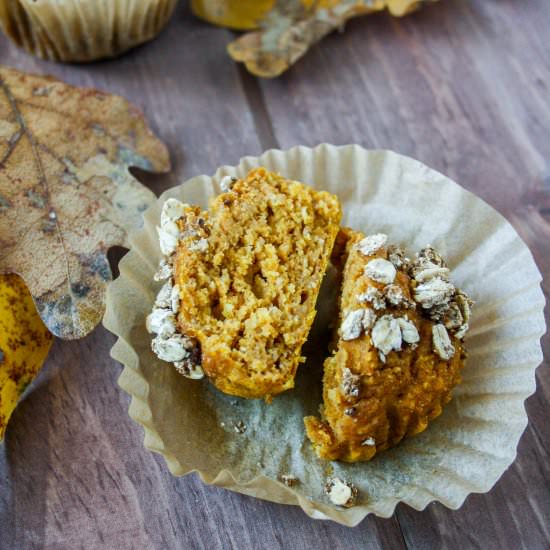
<point x="442" y="343"/>
<point x="374" y="297"/>
<point x="161" y="322"/>
<point x="386" y="334"/>
<point x="372" y="243"/>
<point x="394" y="295"/>
<point x="340" y="492"/>
<point x="357" y="322"/>
<point x="227" y="182"/>
<point x="240" y="427"/>
<point x="164" y="271"/>
<point x="381" y="271"/>
<point x="438" y="298"/>
<point x="289" y="480"/>
<point x="433" y="293"/>
<point x="169" y="345"/>
<point x="409" y="332"/>
<point x="396" y="255"/>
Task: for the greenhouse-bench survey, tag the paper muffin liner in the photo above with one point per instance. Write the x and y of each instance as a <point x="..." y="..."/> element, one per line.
<point x="82" y="30"/>
<point x="465" y="450"/>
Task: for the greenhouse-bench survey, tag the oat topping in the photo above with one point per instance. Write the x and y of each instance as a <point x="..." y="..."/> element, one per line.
<point x="374" y="297"/>
<point x="240" y="427"/>
<point x="161" y="322"/>
<point x="409" y="332"/>
<point x="394" y="294"/>
<point x="172" y="211"/>
<point x="163" y="297"/>
<point x="457" y="316"/>
<point x="441" y="302"/>
<point x="168" y="344"/>
<point x="289" y="480"/>
<point x="396" y="255"/>
<point x="164" y="271"/>
<point x="168" y="241"/>
<point x="340" y="492"/>
<point x="171" y="349"/>
<point x="352" y="325"/>
<point x="424" y="274"/>
<point x="442" y="343"/>
<point x="428" y="256"/>
<point x="227" y="183"/>
<point x="381" y="271"/>
<point x="452" y="317"/>
<point x="386" y="334"/>
<point x="369" y="318"/>
<point x="371" y="244"/>
<point x="369" y="442"/>
<point x="175" y="299"/>
<point x="189" y="368"/>
<point x="461" y="332"/>
<point x="199" y="246"/>
<point x="356" y="322"/>
<point x="434" y="292"/>
<point x="351" y="383"/>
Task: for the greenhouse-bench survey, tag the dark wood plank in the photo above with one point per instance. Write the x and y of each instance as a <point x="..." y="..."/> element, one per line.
<point x="463" y="86"/>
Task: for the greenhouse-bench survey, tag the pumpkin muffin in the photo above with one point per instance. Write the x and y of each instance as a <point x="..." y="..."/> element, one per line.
<point x="398" y="351"/>
<point x="247" y="273"/>
<point x="82" y="30"/>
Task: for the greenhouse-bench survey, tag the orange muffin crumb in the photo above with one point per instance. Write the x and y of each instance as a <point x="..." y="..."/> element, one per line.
<point x="248" y="272"/>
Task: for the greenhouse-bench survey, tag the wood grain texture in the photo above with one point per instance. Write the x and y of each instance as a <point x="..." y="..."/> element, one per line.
<point x="463" y="86"/>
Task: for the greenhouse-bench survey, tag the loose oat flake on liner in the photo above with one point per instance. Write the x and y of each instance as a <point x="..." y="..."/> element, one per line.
<point x="247" y="445"/>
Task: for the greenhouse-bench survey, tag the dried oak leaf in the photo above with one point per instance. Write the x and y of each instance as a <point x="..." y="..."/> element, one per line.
<point x="291" y="27"/>
<point x="66" y="193"/>
<point x="24" y="344"/>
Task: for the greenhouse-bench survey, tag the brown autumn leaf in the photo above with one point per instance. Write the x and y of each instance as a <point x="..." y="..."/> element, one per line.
<point x="288" y="28"/>
<point x="66" y="193"/>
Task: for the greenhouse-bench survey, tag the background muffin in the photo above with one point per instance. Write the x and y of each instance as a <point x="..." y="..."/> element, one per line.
<point x="82" y="30"/>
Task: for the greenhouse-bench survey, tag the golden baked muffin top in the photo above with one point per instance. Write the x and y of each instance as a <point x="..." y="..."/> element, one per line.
<point x="399" y="351"/>
<point x="247" y="274"/>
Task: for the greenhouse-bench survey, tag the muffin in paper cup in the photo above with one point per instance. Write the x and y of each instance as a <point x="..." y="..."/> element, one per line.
<point x="82" y="30"/>
<point x="249" y="446"/>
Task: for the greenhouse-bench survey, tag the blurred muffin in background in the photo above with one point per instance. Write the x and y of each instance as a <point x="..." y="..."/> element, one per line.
<point x="82" y="30"/>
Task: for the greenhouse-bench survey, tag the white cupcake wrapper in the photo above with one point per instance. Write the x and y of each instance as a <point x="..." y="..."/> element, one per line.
<point x="465" y="450"/>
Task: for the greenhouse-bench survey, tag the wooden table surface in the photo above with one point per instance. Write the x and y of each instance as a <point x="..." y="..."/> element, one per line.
<point x="464" y="86"/>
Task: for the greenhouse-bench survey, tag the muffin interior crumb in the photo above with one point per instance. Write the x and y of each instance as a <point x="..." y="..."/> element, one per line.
<point x="249" y="294"/>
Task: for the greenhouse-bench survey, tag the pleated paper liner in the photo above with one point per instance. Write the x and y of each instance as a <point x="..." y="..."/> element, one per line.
<point x="465" y="450"/>
<point x="82" y="30"/>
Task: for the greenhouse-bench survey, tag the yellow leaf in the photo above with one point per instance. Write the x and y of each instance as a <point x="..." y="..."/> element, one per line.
<point x="24" y="344"/>
<point x="242" y="15"/>
<point x="245" y="15"/>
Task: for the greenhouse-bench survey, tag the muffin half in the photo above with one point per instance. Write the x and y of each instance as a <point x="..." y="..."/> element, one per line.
<point x="247" y="273"/>
<point x="398" y="353"/>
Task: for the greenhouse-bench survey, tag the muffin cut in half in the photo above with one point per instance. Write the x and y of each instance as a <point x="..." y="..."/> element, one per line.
<point x="245" y="277"/>
<point x="399" y="348"/>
